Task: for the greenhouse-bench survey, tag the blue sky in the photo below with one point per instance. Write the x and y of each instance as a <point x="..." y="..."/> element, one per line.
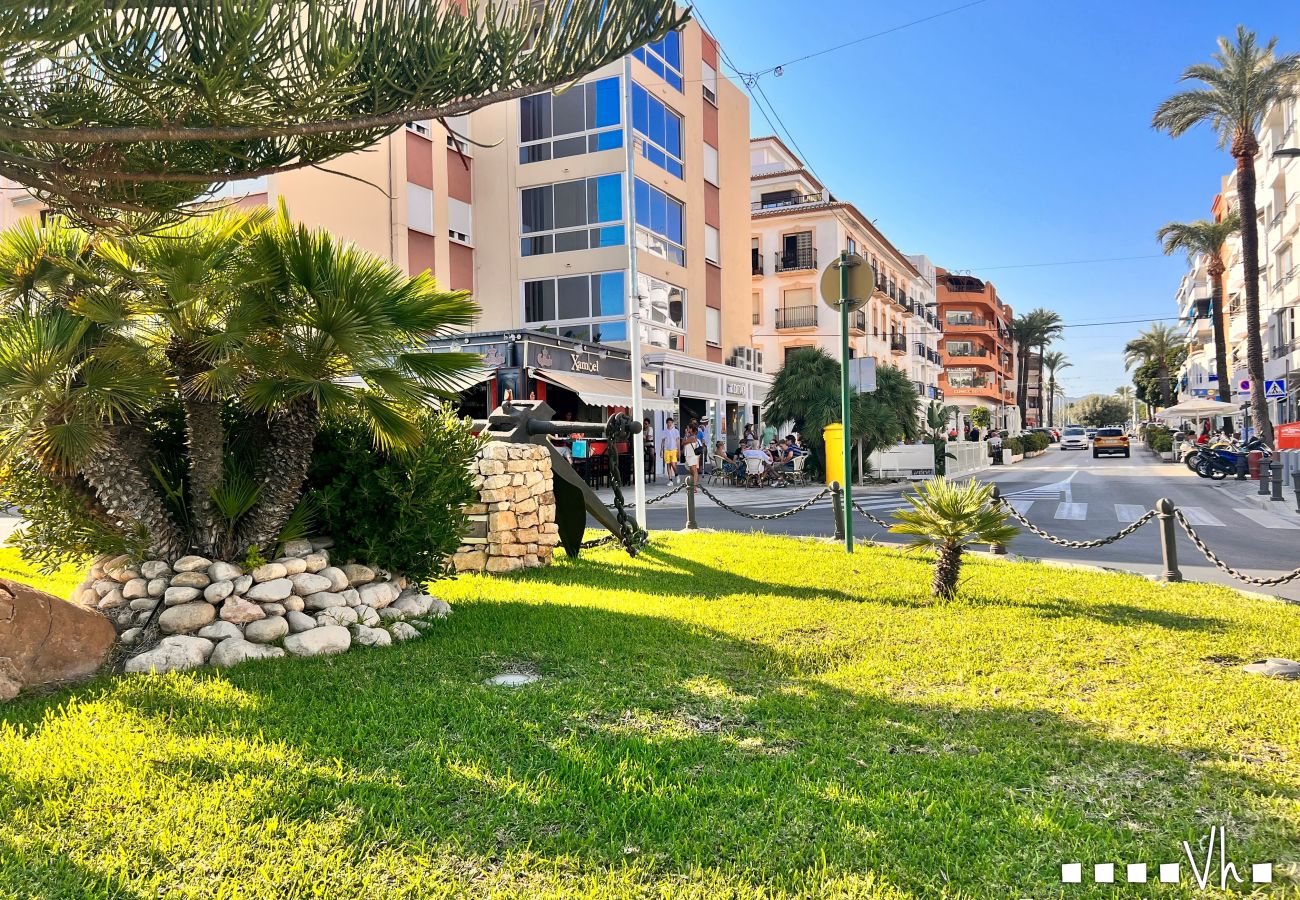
<point x="1010" y="133"/>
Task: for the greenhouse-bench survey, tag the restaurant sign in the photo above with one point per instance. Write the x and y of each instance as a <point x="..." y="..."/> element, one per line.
<point x="558" y="359"/>
<point x="737" y="389"/>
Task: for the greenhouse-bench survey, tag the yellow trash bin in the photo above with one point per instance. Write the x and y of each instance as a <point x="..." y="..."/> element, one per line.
<point x="833" y="435"/>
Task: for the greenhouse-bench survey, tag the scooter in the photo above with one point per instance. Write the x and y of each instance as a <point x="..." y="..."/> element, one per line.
<point x="1217" y="464"/>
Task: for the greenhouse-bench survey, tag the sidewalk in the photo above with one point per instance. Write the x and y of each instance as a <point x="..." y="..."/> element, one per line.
<point x="1247" y="492"/>
<point x="746" y="497"/>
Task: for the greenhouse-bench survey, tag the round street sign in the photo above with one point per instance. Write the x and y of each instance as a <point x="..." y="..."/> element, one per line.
<point x="862" y="281"/>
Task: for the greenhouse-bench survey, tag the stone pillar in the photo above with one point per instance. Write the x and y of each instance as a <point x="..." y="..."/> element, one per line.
<point x="513" y="524"/>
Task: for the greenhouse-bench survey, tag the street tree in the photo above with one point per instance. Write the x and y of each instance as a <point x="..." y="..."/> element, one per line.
<point x="1236" y="89"/>
<point x="1207" y="238"/>
<point x="1053" y="362"/>
<point x="113" y="110"/>
<point x="1101" y="411"/>
<point x="1036" y="328"/>
<point x="1157" y="346"/>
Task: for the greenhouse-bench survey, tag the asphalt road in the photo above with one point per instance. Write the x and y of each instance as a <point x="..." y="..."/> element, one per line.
<point x="1073" y="496"/>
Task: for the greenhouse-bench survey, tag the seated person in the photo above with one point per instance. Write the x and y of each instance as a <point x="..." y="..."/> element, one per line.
<point x="784" y="457"/>
<point x="759" y="454"/>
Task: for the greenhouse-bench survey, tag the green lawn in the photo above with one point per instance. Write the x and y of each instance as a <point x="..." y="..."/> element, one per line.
<point x="726" y="716"/>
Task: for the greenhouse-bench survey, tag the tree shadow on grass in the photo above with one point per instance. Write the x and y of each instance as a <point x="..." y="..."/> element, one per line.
<point x="652" y="752"/>
<point x="1126" y="615"/>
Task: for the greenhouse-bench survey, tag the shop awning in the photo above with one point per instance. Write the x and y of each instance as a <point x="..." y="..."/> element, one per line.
<point x="597" y="391"/>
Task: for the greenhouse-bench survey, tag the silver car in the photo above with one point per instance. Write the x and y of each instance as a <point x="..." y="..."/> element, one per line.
<point x="1074" y="439"/>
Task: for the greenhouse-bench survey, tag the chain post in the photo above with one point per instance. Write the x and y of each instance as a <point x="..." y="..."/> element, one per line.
<point x="1168" y="547"/>
<point x="997" y="549"/>
<point x="1295" y="484"/>
<point x="690" y="501"/>
<point x="1242" y="467"/>
<point x="837" y="504"/>
<point x="1275" y="468"/>
<point x="1264" y="487"/>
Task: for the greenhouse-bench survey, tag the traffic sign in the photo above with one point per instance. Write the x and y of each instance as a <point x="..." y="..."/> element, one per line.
<point x="1243" y="386"/>
<point x="862" y="281"/>
<point x="1275" y="389"/>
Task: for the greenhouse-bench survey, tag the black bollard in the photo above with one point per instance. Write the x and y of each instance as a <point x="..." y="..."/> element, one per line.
<point x="690" y="501"/>
<point x="837" y="504"/>
<point x="998" y="549"/>
<point x="1276" y="466"/>
<point x="1264" y="487"/>
<point x="1243" y="467"/>
<point x="1295" y="484"/>
<point x="1168" y="547"/>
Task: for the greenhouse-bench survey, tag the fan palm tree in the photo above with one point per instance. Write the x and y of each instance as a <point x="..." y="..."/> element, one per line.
<point x="1208" y="238"/>
<point x="947" y="516"/>
<point x="1238" y="87"/>
<point x="1037" y="328"/>
<point x="1157" y="345"/>
<point x="248" y="311"/>
<point x="1054" y="362"/>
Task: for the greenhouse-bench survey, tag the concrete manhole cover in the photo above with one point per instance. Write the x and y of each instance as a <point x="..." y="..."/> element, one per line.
<point x="1275" y="667"/>
<point x="512" y="679"/>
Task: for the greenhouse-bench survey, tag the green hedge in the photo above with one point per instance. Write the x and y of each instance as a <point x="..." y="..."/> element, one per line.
<point x="1013" y="446"/>
<point x="1036" y="440"/>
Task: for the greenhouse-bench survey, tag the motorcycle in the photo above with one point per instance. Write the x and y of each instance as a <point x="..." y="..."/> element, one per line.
<point x="1218" y="463"/>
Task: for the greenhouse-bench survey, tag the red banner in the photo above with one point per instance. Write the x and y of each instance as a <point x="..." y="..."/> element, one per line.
<point x="1287" y="436"/>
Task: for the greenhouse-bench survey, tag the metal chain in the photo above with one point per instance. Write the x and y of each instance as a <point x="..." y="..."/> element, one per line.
<point x="1224" y="567"/>
<point x="761" y="517"/>
<point x="1077" y="545"/>
<point x="869" y="517"/>
<point x="631" y="535"/>
<point x="666" y="494"/>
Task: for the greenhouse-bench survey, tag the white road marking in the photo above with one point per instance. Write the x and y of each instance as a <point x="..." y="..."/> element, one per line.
<point x="1022" y="506"/>
<point x="1268" y="519"/>
<point x="1200" y="516"/>
<point x="1077" y="511"/>
<point x="1128" y="513"/>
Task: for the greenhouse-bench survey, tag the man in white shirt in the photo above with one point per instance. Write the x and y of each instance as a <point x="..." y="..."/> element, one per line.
<point x="670" y="444"/>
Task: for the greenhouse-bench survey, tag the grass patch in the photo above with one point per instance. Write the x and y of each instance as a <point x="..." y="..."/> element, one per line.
<point x="724" y="716"/>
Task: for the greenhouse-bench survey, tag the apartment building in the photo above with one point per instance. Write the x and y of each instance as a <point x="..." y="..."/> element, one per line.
<point x="560" y="211"/>
<point x="1196" y="377"/>
<point x="979" y="363"/>
<point x="798" y="227"/>
<point x="1278" y="199"/>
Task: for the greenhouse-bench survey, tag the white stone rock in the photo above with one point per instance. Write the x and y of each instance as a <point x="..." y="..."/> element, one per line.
<point x="296" y="548"/>
<point x="266" y="631"/>
<point x="155" y="568"/>
<point x="512" y="679"/>
<point x="358" y="574"/>
<point x="174" y="596"/>
<point x="241" y="611"/>
<point x="389" y="614"/>
<point x="367" y="616"/>
<point x="243" y="583"/>
<point x="203" y="645"/>
<point x="316" y="561"/>
<point x="191" y="564"/>
<point x="157" y="587"/>
<point x="112" y="600"/>
<point x="438" y="609"/>
<point x="322" y="543"/>
<point x="371" y="637"/>
<point x="131" y="635"/>
<point x="299" y="622"/>
<point x="191" y="579"/>
<point x="337" y="615"/>
<point x="173" y="657"/>
<point x="268" y="572"/>
<point x="322" y="600"/>
<point x="143" y="603"/>
<point x="218" y="591"/>
<point x="325" y="639"/>
<point x="403" y="632"/>
<point x="377" y="594"/>
<point x="351" y="597"/>
<point x="220" y="631"/>
<point x="337" y="578"/>
<point x="293" y="565"/>
<point x="123" y="575"/>
<point x="135" y="589"/>
<point x="224" y="571"/>
<point x="105" y="586"/>
<point x="233" y="651"/>
<point x="293" y="604"/>
<point x="274" y="609"/>
<point x="276" y="589"/>
<point x="127" y="616"/>
<point x="307" y="583"/>
<point x="186" y="617"/>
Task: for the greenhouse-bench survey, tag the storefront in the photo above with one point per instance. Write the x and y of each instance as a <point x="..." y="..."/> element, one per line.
<point x="729" y="397"/>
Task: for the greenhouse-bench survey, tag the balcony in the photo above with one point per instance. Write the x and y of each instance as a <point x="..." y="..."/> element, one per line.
<point x="785" y="202"/>
<point x="797" y="261"/>
<point x="898" y="345"/>
<point x="756" y="264"/>
<point x="858" y="321"/>
<point x="971" y="324"/>
<point x="796" y="317"/>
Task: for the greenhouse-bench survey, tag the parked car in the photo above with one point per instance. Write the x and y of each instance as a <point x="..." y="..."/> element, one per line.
<point x="1052" y="436"/>
<point x="1074" y="439"/>
<point x="1092" y="433"/>
<point x="1110" y="441"/>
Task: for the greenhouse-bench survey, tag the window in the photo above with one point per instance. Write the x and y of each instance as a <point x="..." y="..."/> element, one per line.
<point x="851" y="246"/>
<point x="420" y="128"/>
<point x="961" y="348"/>
<point x="659" y="221"/>
<point x="460" y="221"/>
<point x="457" y="128"/>
<point x="419" y="208"/>
<point x="557" y="218"/>
<point x="663" y="313"/>
<point x="755" y="256"/>
<point x="712" y="245"/>
<point x="960" y="317"/>
<point x="713" y="326"/>
<point x="584" y="119"/>
<point x="756" y="300"/>
<point x="242" y="187"/>
<point x="664" y="58"/>
<point x="568" y="306"/>
<point x="711" y="174"/>
<point x="709" y="77"/>
<point x="661" y="130"/>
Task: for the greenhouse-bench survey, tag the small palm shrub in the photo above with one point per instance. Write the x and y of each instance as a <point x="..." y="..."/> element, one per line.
<point x="947" y="516"/>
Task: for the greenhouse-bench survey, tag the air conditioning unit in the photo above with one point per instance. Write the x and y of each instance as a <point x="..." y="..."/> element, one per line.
<point x="758" y="361"/>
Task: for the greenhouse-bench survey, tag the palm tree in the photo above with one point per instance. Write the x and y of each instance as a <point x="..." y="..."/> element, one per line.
<point x="244" y="315"/>
<point x="947" y="516"/>
<point x="1054" y="362"/>
<point x="1037" y="328"/>
<point x="1240" y="85"/>
<point x="1208" y="238"/>
<point x="1157" y="345"/>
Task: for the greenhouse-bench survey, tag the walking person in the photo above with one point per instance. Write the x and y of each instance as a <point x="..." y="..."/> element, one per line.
<point x="703" y="434"/>
<point x="670" y="441"/>
<point x="691" y="454"/>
